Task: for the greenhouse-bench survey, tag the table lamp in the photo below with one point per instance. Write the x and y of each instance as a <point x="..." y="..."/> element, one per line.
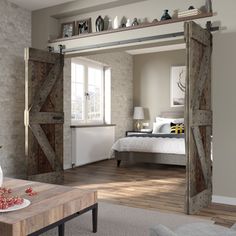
<point x="138" y="115"/>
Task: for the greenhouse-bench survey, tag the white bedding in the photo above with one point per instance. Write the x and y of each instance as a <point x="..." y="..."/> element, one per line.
<point x="150" y="144"/>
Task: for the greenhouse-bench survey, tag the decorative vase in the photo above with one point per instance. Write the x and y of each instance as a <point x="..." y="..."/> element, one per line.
<point x="1" y="177"/>
<point x="109" y="25"/>
<point x="135" y="22"/>
<point x="116" y="23"/>
<point x="128" y="23"/>
<point x="208" y="6"/>
<point x="99" y="24"/>
<point x="166" y="15"/>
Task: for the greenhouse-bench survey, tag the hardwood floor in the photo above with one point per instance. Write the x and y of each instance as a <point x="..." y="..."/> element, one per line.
<point x="149" y="186"/>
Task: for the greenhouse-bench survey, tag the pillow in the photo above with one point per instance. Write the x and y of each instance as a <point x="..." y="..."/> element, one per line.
<point x="158" y="125"/>
<point x="160" y="121"/>
<point x="168" y="120"/>
<point x="165" y="129"/>
<point x="177" y="128"/>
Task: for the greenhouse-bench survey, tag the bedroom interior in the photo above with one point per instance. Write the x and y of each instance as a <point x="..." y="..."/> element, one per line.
<point x="147" y="80"/>
<point x="117" y="106"/>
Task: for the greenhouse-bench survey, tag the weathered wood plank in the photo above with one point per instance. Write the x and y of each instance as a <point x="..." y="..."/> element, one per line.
<point x="46" y="87"/>
<point x="46" y="146"/>
<point x="201" y="152"/>
<point x="201" y="80"/>
<point x="201" y="118"/>
<point x="198" y="117"/>
<point x="32" y="54"/>
<point x="200" y="201"/>
<point x="44" y="106"/>
<point x="46" y="118"/>
<point x="199" y="34"/>
<point x="52" y="204"/>
<point x="51" y="177"/>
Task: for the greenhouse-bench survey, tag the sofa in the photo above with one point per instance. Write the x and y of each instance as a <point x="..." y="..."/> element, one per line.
<point x="194" y="229"/>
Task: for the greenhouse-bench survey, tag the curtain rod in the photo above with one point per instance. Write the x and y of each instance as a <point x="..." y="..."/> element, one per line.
<point x="62" y="48"/>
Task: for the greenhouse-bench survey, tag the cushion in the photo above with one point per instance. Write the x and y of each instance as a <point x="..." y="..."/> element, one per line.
<point x="161" y="230"/>
<point x="168" y="120"/>
<point x="177" y="128"/>
<point x="160" y="121"/>
<point x="165" y="129"/>
<point x="194" y="229"/>
<point x="199" y="229"/>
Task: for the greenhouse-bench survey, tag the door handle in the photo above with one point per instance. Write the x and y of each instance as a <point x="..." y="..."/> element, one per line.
<point x="57" y="117"/>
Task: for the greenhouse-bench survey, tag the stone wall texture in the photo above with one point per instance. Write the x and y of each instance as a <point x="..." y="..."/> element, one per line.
<point x="15" y="35"/>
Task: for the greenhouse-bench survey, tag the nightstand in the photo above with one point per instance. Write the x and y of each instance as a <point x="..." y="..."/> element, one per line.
<point x="130" y="132"/>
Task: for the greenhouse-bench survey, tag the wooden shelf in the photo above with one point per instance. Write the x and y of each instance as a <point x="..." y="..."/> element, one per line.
<point x="134" y="27"/>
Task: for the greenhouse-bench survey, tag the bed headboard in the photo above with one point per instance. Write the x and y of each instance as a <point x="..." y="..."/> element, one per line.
<point x="172" y="114"/>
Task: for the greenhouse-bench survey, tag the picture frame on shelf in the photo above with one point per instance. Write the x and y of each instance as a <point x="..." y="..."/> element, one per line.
<point x="84" y="26"/>
<point x="68" y="29"/>
<point x="177" y="86"/>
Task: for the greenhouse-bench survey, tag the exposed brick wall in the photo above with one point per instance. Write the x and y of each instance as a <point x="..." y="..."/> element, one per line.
<point x="15" y="35"/>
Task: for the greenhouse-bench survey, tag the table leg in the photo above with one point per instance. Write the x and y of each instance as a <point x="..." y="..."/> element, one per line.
<point x="95" y="218"/>
<point x="61" y="229"/>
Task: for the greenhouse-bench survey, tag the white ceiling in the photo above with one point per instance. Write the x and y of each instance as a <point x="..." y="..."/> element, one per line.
<point x="38" y="4"/>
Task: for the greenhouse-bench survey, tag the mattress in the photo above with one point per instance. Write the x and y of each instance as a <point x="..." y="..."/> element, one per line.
<point x="173" y="145"/>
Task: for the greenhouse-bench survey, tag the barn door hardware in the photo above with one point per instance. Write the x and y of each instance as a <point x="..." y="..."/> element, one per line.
<point x="137" y="40"/>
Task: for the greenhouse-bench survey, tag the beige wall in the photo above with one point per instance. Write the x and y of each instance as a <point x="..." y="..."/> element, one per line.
<point x="46" y="26"/>
<point x="223" y="80"/>
<point x="152" y="81"/>
<point x="15" y="35"/>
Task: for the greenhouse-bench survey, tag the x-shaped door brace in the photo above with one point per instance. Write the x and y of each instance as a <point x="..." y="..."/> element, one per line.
<point x="35" y="117"/>
<point x="201" y="117"/>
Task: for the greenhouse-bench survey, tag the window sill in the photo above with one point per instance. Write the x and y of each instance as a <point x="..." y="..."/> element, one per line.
<point x="92" y="125"/>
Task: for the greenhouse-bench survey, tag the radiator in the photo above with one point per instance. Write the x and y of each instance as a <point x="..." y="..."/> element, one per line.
<point x="91" y="144"/>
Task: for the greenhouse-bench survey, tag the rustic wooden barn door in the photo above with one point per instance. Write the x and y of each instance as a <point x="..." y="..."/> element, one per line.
<point x="198" y="117"/>
<point x="44" y="115"/>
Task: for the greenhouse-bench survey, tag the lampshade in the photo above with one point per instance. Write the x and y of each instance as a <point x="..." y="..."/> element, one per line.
<point x="138" y="113"/>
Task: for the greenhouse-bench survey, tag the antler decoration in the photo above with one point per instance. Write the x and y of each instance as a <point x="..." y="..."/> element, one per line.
<point x="180" y="83"/>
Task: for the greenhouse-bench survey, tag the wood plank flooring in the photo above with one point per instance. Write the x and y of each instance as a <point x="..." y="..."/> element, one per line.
<point x="149" y="186"/>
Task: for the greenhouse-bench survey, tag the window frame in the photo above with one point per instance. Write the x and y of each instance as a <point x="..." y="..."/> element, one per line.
<point x="86" y="63"/>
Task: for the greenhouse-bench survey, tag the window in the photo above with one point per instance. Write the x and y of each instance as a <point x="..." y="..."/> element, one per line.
<point x="89" y="92"/>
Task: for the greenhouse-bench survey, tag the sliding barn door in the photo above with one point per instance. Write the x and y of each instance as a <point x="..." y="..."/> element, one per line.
<point x="198" y="117"/>
<point x="44" y="115"/>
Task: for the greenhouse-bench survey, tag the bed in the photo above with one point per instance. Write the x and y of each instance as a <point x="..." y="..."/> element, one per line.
<point x="160" y="147"/>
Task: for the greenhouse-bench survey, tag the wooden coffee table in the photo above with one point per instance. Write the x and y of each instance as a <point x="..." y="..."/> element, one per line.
<point x="51" y="207"/>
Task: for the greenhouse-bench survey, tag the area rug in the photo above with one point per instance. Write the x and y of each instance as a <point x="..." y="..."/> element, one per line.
<point x="116" y="220"/>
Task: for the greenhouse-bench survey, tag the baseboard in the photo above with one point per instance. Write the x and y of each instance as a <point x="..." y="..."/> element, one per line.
<point x="67" y="166"/>
<point x="224" y="200"/>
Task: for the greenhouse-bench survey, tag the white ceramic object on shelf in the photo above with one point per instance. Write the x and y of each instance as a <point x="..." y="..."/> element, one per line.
<point x="128" y="23"/>
<point x="109" y="27"/>
<point x="1" y="177"/>
<point x="116" y="23"/>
